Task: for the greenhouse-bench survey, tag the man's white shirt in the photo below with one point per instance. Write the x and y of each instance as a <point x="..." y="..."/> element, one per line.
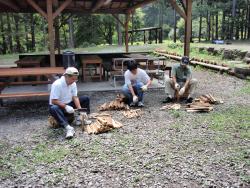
<point x="141" y="76"/>
<point x="62" y="92"/>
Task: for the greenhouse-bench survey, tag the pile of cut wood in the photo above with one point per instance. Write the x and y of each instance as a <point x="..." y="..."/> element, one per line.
<point x="203" y="104"/>
<point x="117" y="104"/>
<point x="102" y="123"/>
<point x="132" y="113"/>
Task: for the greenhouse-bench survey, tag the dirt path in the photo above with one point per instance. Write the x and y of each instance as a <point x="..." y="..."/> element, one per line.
<point x="160" y="149"/>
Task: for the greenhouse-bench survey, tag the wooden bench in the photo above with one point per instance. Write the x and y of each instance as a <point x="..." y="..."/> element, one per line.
<point x="22" y="95"/>
<point x="7" y="75"/>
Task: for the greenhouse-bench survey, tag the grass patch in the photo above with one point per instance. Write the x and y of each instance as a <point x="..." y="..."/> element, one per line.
<point x="42" y="153"/>
<point x="246" y="88"/>
<point x="235" y="120"/>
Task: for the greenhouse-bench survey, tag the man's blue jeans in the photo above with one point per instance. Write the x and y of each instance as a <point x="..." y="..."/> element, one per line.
<point x="137" y="89"/>
<point x="60" y="115"/>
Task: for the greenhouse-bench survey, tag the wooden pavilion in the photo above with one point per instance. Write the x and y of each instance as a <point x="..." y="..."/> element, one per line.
<point x="50" y="9"/>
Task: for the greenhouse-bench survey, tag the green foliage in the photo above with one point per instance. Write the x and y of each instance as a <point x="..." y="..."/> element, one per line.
<point x="42" y="153"/>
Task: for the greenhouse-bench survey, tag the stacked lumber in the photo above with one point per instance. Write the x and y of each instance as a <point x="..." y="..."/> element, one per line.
<point x="203" y="104"/>
<point x="199" y="106"/>
<point x="117" y="104"/>
<point x="171" y="107"/>
<point x="103" y="123"/>
<point x="208" y="99"/>
<point x="132" y="113"/>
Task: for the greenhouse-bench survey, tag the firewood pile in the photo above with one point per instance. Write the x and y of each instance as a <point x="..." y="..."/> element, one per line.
<point x="103" y="123"/>
<point x="203" y="104"/>
<point x="132" y="113"/>
<point x="117" y="104"/>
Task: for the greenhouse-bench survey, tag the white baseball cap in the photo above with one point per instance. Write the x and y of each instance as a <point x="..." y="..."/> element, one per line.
<point x="71" y="71"/>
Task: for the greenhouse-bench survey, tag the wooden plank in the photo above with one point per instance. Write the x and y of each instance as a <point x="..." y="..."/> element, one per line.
<point x="188" y="29"/>
<point x="37" y="8"/>
<point x="10" y="4"/>
<point x="27" y="83"/>
<point x="96" y="5"/>
<point x="51" y="33"/>
<point x="138" y="5"/>
<point x="23" y="95"/>
<point x="14" y="72"/>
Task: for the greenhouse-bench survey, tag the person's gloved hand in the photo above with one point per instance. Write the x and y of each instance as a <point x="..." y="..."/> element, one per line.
<point x="69" y="109"/>
<point x="182" y="91"/>
<point x="135" y="99"/>
<point x="144" y="88"/>
<point x="177" y="86"/>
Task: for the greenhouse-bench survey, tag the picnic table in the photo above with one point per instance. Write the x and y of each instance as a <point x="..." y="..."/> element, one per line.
<point x="7" y="75"/>
<point x="91" y="63"/>
<point x="146" y="62"/>
<point x="29" y="61"/>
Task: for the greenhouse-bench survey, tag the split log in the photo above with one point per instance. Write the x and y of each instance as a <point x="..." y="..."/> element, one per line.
<point x="117" y="104"/>
<point x="102" y="124"/>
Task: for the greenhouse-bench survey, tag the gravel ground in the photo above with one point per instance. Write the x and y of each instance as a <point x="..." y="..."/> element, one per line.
<point x="159" y="149"/>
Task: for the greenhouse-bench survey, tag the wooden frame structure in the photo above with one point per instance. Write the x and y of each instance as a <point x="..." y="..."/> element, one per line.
<point x="157" y="36"/>
<point x="50" y="9"/>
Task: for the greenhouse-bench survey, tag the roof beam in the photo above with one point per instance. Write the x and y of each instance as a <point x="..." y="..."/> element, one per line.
<point x="117" y="18"/>
<point x="37" y="8"/>
<point x="132" y="8"/>
<point x="61" y="8"/>
<point x="97" y="4"/>
<point x="178" y="9"/>
<point x="10" y="4"/>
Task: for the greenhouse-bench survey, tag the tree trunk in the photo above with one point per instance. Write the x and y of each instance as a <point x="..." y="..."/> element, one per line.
<point x="71" y="33"/>
<point x="33" y="37"/>
<point x="208" y="26"/>
<point x="223" y="29"/>
<point x="9" y="30"/>
<point x="26" y="29"/>
<point x="242" y="24"/>
<point x="18" y="44"/>
<point x="200" y="28"/>
<point x="212" y="26"/>
<point x="119" y="31"/>
<point x="175" y="26"/>
<point x="4" y="45"/>
<point x="57" y="35"/>
<point x="248" y="32"/>
<point x="216" y="26"/>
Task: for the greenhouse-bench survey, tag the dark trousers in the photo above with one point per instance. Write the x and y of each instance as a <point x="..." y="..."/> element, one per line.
<point x="60" y="114"/>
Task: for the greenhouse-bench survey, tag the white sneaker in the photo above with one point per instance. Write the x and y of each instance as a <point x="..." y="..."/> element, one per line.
<point x="132" y="104"/>
<point x="140" y="104"/>
<point x="69" y="132"/>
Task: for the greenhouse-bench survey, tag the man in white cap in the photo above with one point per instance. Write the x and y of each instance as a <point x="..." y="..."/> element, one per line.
<point x="64" y="100"/>
<point x="181" y="81"/>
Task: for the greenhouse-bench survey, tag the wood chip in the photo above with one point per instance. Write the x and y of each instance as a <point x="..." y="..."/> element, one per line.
<point x="103" y="123"/>
<point x="171" y="107"/>
<point x="132" y="113"/>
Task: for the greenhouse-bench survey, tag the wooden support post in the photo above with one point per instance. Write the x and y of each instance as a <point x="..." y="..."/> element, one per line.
<point x="156" y="36"/>
<point x="51" y="33"/>
<point x="188" y="27"/>
<point x="144" y="37"/>
<point x="126" y="32"/>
